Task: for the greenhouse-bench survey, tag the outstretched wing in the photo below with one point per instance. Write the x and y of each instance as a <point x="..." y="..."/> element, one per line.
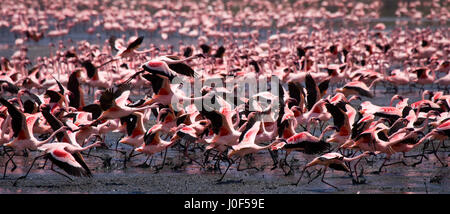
<point x="34" y="97"/>
<point x="135" y="44"/>
<point x="182" y="68"/>
<point x="112" y="42"/>
<point x="296" y="92"/>
<point x="205" y="48"/>
<point x="90" y="68"/>
<point x="313" y="91"/>
<point x="73" y="85"/>
<point x="248" y="125"/>
<point x="216" y="119"/>
<point x="53" y="121"/>
<point x="323" y="87"/>
<point x="94" y="109"/>
<point x="10" y="87"/>
<point x="17" y="117"/>
<point x="156" y="81"/>
<point x="219" y="52"/>
<point x="188" y="52"/>
<point x="337" y="113"/>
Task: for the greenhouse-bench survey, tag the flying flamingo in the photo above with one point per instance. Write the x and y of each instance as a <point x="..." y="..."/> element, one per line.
<point x="60" y="154"/>
<point x="154" y="144"/>
<point x="357" y="88"/>
<point x="246" y="146"/>
<point x="333" y="160"/>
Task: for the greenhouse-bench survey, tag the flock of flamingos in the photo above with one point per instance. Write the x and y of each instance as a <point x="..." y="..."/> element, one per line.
<point x="61" y="107"/>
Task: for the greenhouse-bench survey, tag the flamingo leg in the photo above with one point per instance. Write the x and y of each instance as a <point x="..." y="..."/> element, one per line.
<point x="283" y="163"/>
<point x="206" y="156"/>
<point x="223" y="175"/>
<point x="422" y="156"/>
<point x="45" y="163"/>
<point x="402" y="162"/>
<point x="437" y="157"/>
<point x="319" y="172"/>
<point x="274" y="156"/>
<point x="323" y="181"/>
<point x="248" y="164"/>
<point x="144" y="165"/>
<point x="7" y="162"/>
<point x="130" y="155"/>
<point x="356" y="171"/>
<point x="117" y="143"/>
<point x="163" y="162"/>
<point x="381" y="167"/>
<point x="301" y="175"/>
<point x="32" y="164"/>
<point x="191" y="159"/>
<point x="54" y="170"/>
<point x="217" y="164"/>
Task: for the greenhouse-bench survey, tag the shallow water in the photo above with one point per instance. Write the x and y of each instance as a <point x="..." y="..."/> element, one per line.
<point x="180" y="176"/>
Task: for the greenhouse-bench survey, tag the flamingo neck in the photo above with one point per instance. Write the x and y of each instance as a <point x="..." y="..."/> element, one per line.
<point x="40" y="143"/>
<point x="355" y="158"/>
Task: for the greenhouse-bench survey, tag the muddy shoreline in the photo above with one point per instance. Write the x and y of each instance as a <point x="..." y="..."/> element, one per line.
<point x="181" y="177"/>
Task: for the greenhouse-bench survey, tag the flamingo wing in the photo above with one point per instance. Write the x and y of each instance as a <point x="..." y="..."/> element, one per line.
<point x="131" y="121"/>
<point x="112" y="40"/>
<point x="18" y="120"/>
<point x="216" y="119"/>
<point x="79" y="158"/>
<point x="188" y="52"/>
<point x="323" y="87"/>
<point x="182" y="119"/>
<point x="135" y="44"/>
<point x="182" y="68"/>
<point x="340" y="118"/>
<point x="219" y="52"/>
<point x="36" y="98"/>
<point x="94" y="109"/>
<point x="250" y="136"/>
<point x="73" y="85"/>
<point x="339" y="167"/>
<point x="66" y="162"/>
<point x="248" y="125"/>
<point x="156" y="80"/>
<point x="360" y="90"/>
<point x="313" y="91"/>
<point x="90" y="68"/>
<point x="205" y="48"/>
<point x="331" y="156"/>
<point x="62" y="89"/>
<point x="55" y="97"/>
<point x="53" y="121"/>
<point x="10" y="87"/>
<point x="296" y="92"/>
<point x="149" y="137"/>
<point x="187" y="133"/>
<point x="109" y="97"/>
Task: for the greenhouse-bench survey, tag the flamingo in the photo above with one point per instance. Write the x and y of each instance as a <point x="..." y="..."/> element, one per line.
<point x="333" y="160"/>
<point x="61" y="154"/>
<point x="154" y="144"/>
<point x="246" y="146"/>
<point x="357" y="88"/>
